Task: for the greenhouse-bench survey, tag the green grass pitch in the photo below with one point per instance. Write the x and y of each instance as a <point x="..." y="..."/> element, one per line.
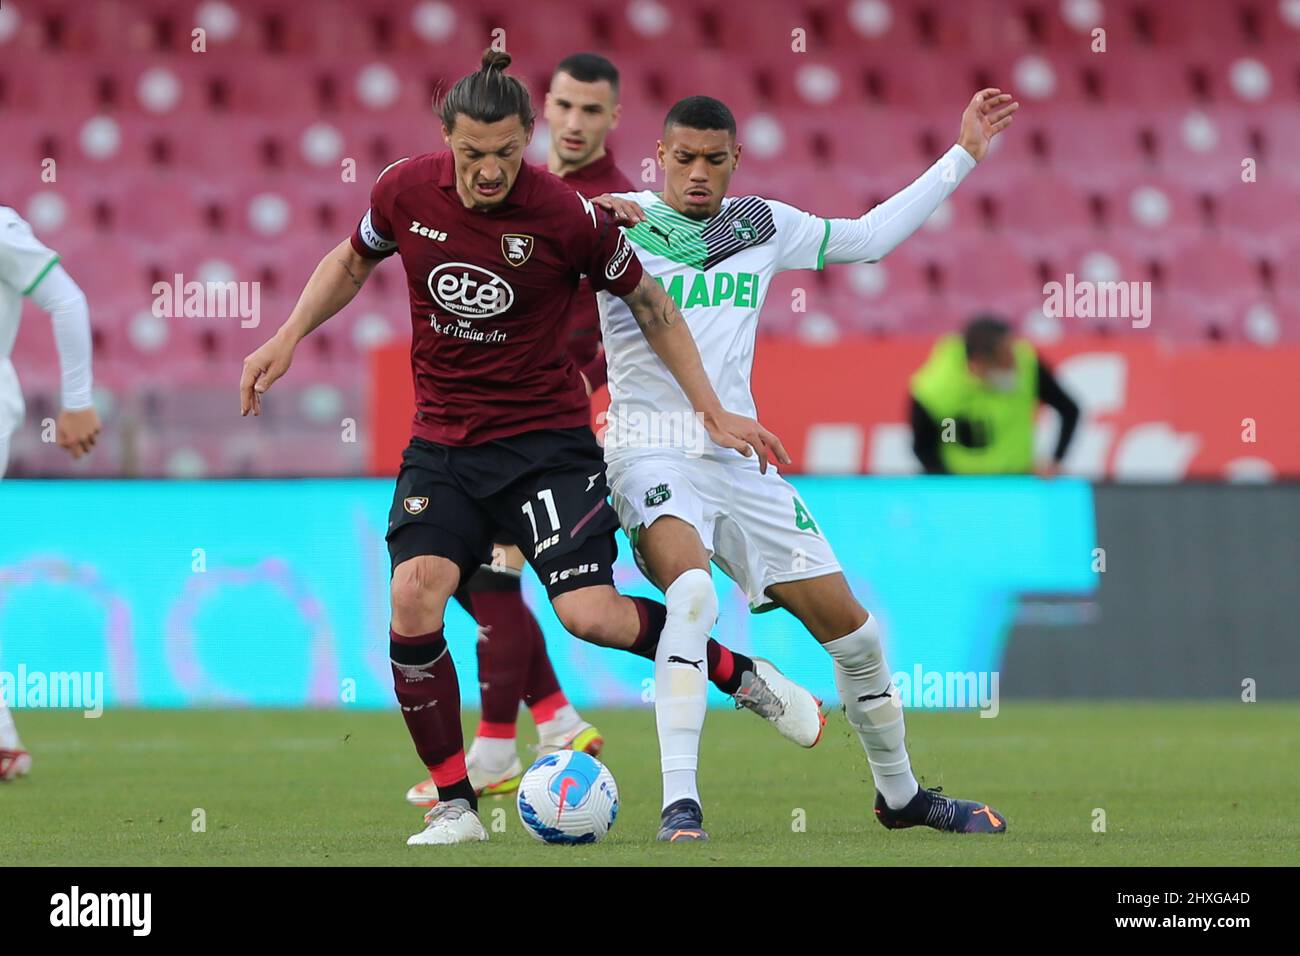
<point x="1179" y="784"/>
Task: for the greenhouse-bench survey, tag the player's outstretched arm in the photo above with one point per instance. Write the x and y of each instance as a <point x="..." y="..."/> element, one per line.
<point x="336" y="281"/>
<point x="78" y="424"/>
<point x="664" y="328"/>
<point x="874" y="235"/>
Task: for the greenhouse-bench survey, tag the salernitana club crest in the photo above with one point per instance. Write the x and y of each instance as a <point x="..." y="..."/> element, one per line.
<point x="516" y="248"/>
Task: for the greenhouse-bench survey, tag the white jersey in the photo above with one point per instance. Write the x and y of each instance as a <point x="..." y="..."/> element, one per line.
<point x="24" y="262"/>
<point x="718" y="271"/>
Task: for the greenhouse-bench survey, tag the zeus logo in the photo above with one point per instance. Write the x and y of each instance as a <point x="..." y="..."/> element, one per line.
<point x="470" y="291"/>
<point x="558" y="576"/>
<point x="428" y="233"/>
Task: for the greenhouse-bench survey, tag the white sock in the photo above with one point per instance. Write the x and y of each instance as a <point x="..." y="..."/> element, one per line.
<point x="565" y="721"/>
<point x="494" y="753"/>
<point x="681" y="681"/>
<point x="861" y="671"/>
<point x="8" y="732"/>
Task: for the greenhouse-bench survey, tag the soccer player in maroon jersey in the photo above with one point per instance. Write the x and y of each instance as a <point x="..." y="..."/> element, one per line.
<point x="513" y="664"/>
<point x="493" y="251"/>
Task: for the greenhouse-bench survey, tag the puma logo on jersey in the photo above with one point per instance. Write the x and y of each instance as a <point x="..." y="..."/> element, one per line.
<point x="434" y="234"/>
<point x="674" y="659"/>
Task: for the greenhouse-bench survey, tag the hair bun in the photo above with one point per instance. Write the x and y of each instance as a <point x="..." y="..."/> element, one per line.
<point x="495" y="60"/>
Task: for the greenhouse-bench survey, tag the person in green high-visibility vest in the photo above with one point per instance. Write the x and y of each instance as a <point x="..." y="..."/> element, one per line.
<point x="974" y="401"/>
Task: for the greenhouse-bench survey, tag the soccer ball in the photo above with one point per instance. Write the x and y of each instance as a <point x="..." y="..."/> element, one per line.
<point x="568" y="797"/>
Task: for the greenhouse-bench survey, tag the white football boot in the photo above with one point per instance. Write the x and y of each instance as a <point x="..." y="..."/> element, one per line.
<point x="423" y="794"/>
<point x="490" y="781"/>
<point x="795" y="712"/>
<point x="448" y="823"/>
<point x="486" y="781"/>
<point x="15" y="761"/>
<point x="581" y="736"/>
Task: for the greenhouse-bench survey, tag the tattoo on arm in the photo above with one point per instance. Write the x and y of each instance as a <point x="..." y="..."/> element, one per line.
<point x="358" y="280"/>
<point x="652" y="306"/>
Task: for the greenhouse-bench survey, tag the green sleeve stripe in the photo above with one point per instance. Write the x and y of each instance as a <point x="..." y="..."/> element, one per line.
<point x="41" y="275"/>
<point x="826" y="238"/>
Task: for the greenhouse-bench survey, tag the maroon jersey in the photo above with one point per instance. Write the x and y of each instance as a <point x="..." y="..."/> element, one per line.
<point x="598" y="177"/>
<point x="491" y="294"/>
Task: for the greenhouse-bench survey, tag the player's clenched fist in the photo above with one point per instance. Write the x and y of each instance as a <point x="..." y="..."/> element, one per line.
<point x="746" y="436"/>
<point x="262" y="368"/>
<point x="77" y="430"/>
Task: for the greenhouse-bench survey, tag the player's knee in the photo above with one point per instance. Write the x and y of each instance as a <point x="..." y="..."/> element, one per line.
<point x="836" y="618"/>
<point x="861" y="650"/>
<point x="590" y="617"/>
<point x="418" y="592"/>
<point x="691" y="600"/>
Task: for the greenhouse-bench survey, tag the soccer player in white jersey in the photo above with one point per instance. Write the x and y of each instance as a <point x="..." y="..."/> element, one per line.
<point x="683" y="505"/>
<point x="30" y="270"/>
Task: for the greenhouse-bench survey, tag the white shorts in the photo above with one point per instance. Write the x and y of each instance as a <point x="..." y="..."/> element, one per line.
<point x="755" y="526"/>
<point x="12" y="409"/>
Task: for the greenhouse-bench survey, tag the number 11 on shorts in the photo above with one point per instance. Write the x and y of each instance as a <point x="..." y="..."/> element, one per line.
<point x="547" y="499"/>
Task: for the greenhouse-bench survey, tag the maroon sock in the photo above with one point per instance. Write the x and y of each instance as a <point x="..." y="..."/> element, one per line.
<point x="505" y="648"/>
<point x="542" y="682"/>
<point x="424" y="679"/>
<point x="725" y="666"/>
<point x="652" y="615"/>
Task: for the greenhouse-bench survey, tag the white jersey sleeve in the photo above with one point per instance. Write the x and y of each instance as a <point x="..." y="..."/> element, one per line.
<point x="24" y="259"/>
<point x="810" y="242"/>
<point x="63" y="299"/>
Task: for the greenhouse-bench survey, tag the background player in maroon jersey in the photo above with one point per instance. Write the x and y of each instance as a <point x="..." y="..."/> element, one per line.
<point x="493" y="251"/>
<point x="513" y="664"/>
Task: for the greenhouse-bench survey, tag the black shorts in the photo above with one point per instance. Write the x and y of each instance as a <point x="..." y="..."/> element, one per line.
<point x="544" y="491"/>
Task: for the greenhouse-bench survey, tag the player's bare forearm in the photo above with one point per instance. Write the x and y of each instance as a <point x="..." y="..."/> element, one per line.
<point x="669" y="336"/>
<point x="335" y="282"/>
<point x="664" y="328"/>
<point x="337" y="279"/>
